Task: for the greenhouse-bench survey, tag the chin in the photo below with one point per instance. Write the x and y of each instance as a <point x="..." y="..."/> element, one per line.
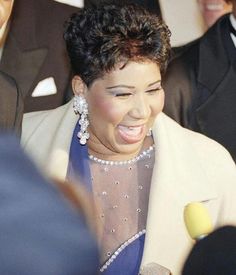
<point x="129" y="148"/>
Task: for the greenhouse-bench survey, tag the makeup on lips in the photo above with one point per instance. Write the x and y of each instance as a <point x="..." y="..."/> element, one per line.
<point x="132" y="134"/>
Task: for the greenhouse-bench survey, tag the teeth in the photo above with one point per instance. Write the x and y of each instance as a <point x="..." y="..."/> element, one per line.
<point x="214" y="7"/>
<point x="131" y="130"/>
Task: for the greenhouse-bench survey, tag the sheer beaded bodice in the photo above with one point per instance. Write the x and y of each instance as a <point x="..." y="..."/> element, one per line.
<point x="122" y="192"/>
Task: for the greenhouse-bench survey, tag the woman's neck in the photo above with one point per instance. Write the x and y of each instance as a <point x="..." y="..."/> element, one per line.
<point x="99" y="150"/>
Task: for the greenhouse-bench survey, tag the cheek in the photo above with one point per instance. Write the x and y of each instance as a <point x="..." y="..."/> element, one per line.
<point x="105" y="110"/>
<point x="162" y="101"/>
<point x="159" y="104"/>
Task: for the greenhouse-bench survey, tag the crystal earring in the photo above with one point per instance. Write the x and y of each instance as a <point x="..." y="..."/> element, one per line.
<point x="149" y="133"/>
<point x="80" y="107"/>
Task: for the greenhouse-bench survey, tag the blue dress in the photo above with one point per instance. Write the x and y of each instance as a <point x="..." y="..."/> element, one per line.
<point x="127" y="259"/>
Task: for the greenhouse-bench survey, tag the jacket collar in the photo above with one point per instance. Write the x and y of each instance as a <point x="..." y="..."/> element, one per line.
<point x="13" y="60"/>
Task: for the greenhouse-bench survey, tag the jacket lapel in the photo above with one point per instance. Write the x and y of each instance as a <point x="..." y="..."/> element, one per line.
<point x="216" y="83"/>
<point x="14" y="59"/>
<point x="220" y="111"/>
<point x="175" y="183"/>
<point x="23" y="51"/>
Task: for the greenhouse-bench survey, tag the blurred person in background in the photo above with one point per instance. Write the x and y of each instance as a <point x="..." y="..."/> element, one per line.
<point x="11" y="102"/>
<point x="188" y="19"/>
<point x="151" y="5"/>
<point x="34" y="69"/>
<point x="200" y="84"/>
<point x="41" y="231"/>
<point x="213" y="9"/>
<point x="214" y="254"/>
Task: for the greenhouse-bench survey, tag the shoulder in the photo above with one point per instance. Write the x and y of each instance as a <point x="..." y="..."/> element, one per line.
<point x="195" y="150"/>
<point x="46" y="137"/>
<point x="190" y="51"/>
<point x="182" y="69"/>
<point x="199" y="145"/>
<point x="184" y="56"/>
<point x="186" y="49"/>
<point x="42" y="122"/>
<point x="198" y="163"/>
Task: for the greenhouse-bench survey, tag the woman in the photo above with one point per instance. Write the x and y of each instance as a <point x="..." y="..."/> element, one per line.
<point x="140" y="180"/>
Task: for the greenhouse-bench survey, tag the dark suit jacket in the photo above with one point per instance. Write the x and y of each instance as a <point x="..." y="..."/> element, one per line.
<point x="35" y="50"/>
<point x="200" y="86"/>
<point x="11" y="104"/>
<point x="40" y="233"/>
<point x="214" y="254"/>
<point x="152" y="5"/>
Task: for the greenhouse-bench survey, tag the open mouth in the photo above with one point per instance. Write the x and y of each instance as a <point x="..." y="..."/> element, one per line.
<point x="131" y="134"/>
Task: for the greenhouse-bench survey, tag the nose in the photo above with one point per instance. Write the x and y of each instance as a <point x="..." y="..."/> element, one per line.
<point x="140" y="107"/>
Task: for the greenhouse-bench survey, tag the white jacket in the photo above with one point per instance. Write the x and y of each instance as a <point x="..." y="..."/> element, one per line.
<point x="189" y="167"/>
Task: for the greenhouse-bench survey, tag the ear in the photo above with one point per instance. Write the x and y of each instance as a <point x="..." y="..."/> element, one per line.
<point x="78" y="86"/>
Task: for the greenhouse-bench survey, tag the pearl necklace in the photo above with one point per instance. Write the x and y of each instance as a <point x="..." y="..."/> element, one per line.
<point x="144" y="154"/>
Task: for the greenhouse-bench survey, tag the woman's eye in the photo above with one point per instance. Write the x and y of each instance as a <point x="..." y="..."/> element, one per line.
<point x="122" y="94"/>
<point x="153" y="91"/>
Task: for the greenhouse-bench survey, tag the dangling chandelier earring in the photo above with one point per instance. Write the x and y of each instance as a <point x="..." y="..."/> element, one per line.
<point x="80" y="107"/>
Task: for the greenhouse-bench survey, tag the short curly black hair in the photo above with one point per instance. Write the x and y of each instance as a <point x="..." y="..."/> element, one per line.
<point x="98" y="38"/>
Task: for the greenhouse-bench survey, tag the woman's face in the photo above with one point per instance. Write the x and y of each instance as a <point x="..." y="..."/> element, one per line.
<point x="5" y="10"/>
<point x="123" y="106"/>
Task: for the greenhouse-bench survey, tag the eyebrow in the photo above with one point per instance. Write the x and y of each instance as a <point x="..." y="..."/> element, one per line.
<point x="156" y="82"/>
<point x="131" y="87"/>
<point x="120" y="86"/>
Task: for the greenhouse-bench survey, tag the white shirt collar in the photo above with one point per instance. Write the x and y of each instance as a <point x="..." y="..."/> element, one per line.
<point x="233" y="23"/>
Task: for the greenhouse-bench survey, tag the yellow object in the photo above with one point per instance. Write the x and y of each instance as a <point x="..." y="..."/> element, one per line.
<point x="197" y="220"/>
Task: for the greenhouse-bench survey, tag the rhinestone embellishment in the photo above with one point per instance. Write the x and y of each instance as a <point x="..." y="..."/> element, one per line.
<point x="131" y="161"/>
<point x="119" y="250"/>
